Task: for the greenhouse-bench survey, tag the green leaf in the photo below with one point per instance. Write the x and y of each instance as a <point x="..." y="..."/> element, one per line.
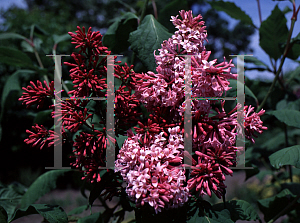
<point x="42" y="117"/>
<point x="98" y="187"/>
<point x="171" y="9"/>
<point x="293" y="187"/>
<point x="41" y="186"/>
<point x="121" y="139"/>
<point x="11" y="86"/>
<point x="294" y="52"/>
<point x="11" y="36"/>
<point x="263" y="173"/>
<point x="78" y="210"/>
<point x="274" y="142"/>
<point x="10" y="198"/>
<point x="255" y="61"/>
<point x="211" y="217"/>
<point x="52" y="213"/>
<point x="116" y="37"/>
<point x="3" y="215"/>
<point x="273" y="32"/>
<point x="288" y="116"/>
<point x="60" y="38"/>
<point x="14" y="57"/>
<point x="284" y="104"/>
<point x="277" y="140"/>
<point x="232" y="10"/>
<point x="28" y="48"/>
<point x="286" y="156"/>
<point x="273" y="205"/>
<point x="35" y="28"/>
<point x="93" y="218"/>
<point x="148" y="37"/>
<point x="295" y="74"/>
<point x="286" y="9"/>
<point x="239" y="210"/>
<point x="233" y="91"/>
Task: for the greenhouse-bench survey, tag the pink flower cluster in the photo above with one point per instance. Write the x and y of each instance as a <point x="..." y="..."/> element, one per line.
<point x="214" y="131"/>
<point x="167" y="88"/>
<point x="149" y="170"/>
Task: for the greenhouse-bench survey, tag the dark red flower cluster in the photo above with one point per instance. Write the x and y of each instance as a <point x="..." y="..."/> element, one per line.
<point x="86" y="117"/>
<point x="37" y="93"/>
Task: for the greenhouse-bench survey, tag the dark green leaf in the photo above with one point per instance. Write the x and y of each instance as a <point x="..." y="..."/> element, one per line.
<point x="296" y="39"/>
<point x="116" y="37"/>
<point x="11" y="36"/>
<point x="274" y="142"/>
<point x="98" y="187"/>
<point x="11" y="86"/>
<point x="294" y="52"/>
<point x="273" y="32"/>
<point x="211" y="217"/>
<point x="38" y="30"/>
<point x="52" y="213"/>
<point x="93" y="218"/>
<point x="233" y="91"/>
<point x="57" y="39"/>
<point x="293" y="187"/>
<point x="91" y="105"/>
<point x="295" y="74"/>
<point x="239" y="210"/>
<point x="42" y="116"/>
<point x="78" y="210"/>
<point x="284" y="104"/>
<point x="120" y="140"/>
<point x="171" y="9"/>
<point x="28" y="48"/>
<point x="286" y="9"/>
<point x="14" y="57"/>
<point x="147" y="38"/>
<point x="286" y="156"/>
<point x="256" y="68"/>
<point x="271" y="206"/>
<point x="69" y="84"/>
<point x="3" y="215"/>
<point x="288" y="116"/>
<point x="10" y="198"/>
<point x="41" y="186"/>
<point x="255" y="61"/>
<point x="232" y="10"/>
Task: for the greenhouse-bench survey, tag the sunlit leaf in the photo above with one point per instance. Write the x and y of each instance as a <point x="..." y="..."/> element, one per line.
<point x="239" y="210"/>
<point x="273" y="32"/>
<point x="288" y="116"/>
<point x="147" y="38"/>
<point x="52" y="213"/>
<point x="41" y="186"/>
<point x="116" y="37"/>
<point x="286" y="156"/>
<point x="14" y="57"/>
<point x="232" y="10"/>
<point x="10" y="197"/>
<point x="271" y="206"/>
<point x="95" y="218"/>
